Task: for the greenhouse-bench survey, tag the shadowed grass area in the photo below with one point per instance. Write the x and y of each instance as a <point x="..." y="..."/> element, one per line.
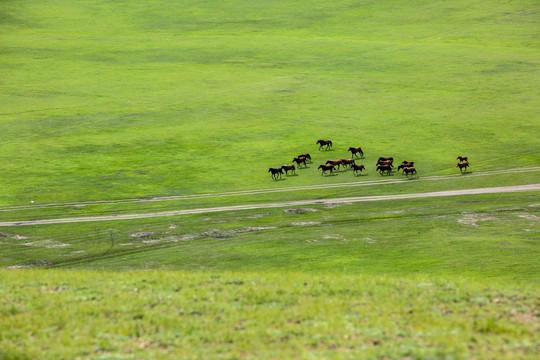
<point x="480" y="237"/>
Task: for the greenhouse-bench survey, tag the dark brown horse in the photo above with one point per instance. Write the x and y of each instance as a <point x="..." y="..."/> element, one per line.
<point x="384" y="168"/>
<point x="300" y="160"/>
<point x="409" y="170"/>
<point x="386" y="159"/>
<point x="357" y="168"/>
<point x="406" y="164"/>
<point x="306" y="155"/>
<point x="356" y="150"/>
<point x="326" y="168"/>
<point x="276" y="172"/>
<point x="288" y="168"/>
<point x="347" y="162"/>
<point x="462" y="158"/>
<point x="385" y="163"/>
<point x="462" y="165"/>
<point x="334" y="163"/>
<point x="327" y="143"/>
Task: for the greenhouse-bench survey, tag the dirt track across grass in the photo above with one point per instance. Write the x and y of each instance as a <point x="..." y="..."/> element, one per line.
<point x="380" y="181"/>
<point x="477" y="191"/>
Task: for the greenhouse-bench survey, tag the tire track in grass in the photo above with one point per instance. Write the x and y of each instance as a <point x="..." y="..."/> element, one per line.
<point x="475" y="191"/>
<point x="267" y="191"/>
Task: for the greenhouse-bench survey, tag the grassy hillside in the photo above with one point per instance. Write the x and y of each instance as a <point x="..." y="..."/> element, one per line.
<point x="482" y="237"/>
<point x="108" y="100"/>
<point x="108" y="104"/>
<point x="261" y="315"/>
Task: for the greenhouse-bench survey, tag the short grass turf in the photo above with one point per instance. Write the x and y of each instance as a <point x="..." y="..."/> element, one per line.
<point x="108" y="100"/>
<point x="119" y="100"/>
<point x="261" y="315"/>
<point x="450" y="278"/>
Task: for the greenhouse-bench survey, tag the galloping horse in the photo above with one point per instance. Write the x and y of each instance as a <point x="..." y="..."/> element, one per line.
<point x="462" y="165"/>
<point x="406" y="164"/>
<point x="322" y="143"/>
<point x="288" y="168"/>
<point x="384" y="168"/>
<point x="306" y="155"/>
<point x="409" y="170"/>
<point x="326" y="168"/>
<point x="347" y="162"/>
<point x="276" y="172"/>
<point x="355" y="150"/>
<point x="334" y="163"/>
<point x="462" y="158"/>
<point x="357" y="168"/>
<point x="300" y="160"/>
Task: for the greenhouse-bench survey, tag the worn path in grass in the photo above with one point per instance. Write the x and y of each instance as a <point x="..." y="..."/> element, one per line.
<point x="268" y="191"/>
<point x="476" y="191"/>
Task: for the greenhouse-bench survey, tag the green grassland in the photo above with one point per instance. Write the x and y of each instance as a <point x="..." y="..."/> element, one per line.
<point x="108" y="104"/>
<point x="442" y="278"/>
<point x="105" y="100"/>
<point x="261" y="315"/>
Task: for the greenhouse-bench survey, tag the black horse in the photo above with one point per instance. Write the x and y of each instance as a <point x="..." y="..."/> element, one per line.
<point x="306" y="155"/>
<point x="276" y="172"/>
<point x="355" y="150"/>
<point x="327" y="143"/>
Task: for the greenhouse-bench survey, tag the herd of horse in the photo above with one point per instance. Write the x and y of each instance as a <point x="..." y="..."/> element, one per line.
<point x="385" y="165"/>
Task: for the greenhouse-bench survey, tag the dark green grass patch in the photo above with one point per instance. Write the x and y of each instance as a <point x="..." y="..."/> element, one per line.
<point x="479" y="237"/>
